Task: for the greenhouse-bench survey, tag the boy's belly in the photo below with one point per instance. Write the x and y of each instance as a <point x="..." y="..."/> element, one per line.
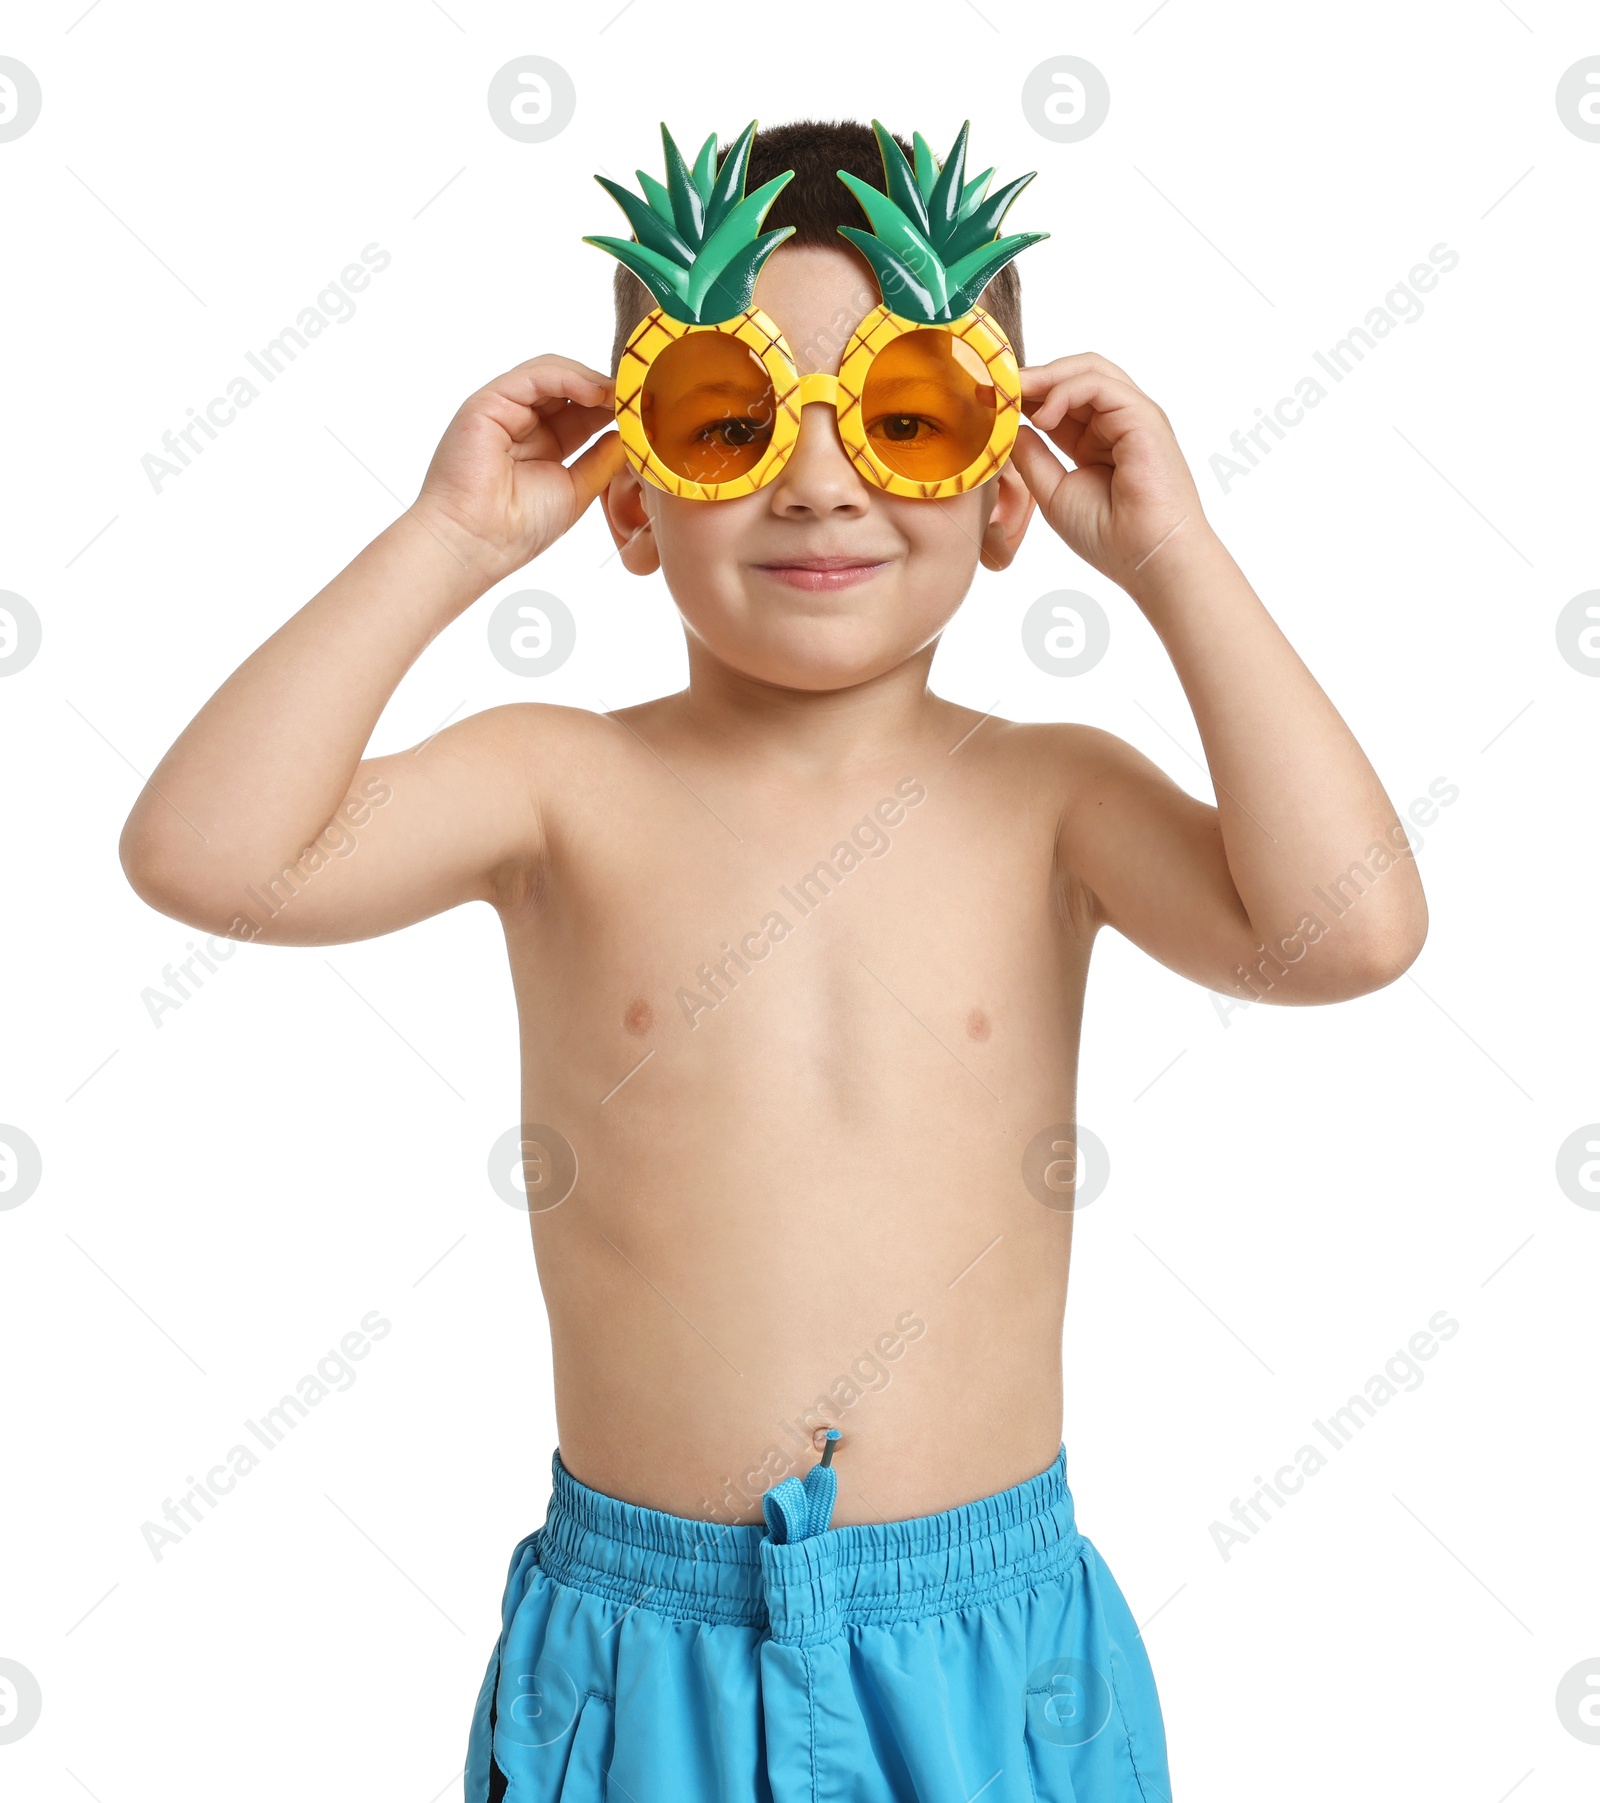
<point x="801" y="1202"/>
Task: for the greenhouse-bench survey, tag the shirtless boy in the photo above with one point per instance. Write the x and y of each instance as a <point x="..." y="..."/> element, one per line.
<point x="800" y="1101"/>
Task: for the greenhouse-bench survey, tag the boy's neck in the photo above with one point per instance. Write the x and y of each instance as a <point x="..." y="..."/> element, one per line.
<point x="812" y="733"/>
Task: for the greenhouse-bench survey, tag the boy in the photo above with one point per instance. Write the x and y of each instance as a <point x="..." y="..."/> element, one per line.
<point x="799" y="956"/>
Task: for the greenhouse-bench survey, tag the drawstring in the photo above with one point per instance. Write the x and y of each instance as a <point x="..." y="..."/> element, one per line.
<point x="798" y="1508"/>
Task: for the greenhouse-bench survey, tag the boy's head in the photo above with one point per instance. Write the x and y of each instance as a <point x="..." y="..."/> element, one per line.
<point x="819" y="580"/>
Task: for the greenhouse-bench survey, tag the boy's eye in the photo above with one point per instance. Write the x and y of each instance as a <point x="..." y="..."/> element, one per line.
<point x="730" y="432"/>
<point x="903" y="428"/>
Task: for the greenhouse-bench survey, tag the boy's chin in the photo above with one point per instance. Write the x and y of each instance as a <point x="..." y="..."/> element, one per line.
<point x="814" y="662"/>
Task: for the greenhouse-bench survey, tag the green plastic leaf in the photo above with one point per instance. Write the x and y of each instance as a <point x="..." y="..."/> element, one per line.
<point x="981" y="224"/>
<point x="899" y="180"/>
<point x="730" y="179"/>
<point x="946" y="195"/>
<point x="927" y="168"/>
<point x="973" y="192"/>
<point x="734" y="289"/>
<point x="647" y="228"/>
<point x="973" y="273"/>
<point x="903" y="290"/>
<point x="660" y="200"/>
<point x="642" y="257"/>
<point x="900" y="236"/>
<point x="933" y="242"/>
<point x="665" y="280"/>
<point x="731" y="237"/>
<point x="705" y="168"/>
<point x="698" y="245"/>
<point x="688" y="211"/>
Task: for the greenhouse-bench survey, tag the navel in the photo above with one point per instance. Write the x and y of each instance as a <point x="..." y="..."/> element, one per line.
<point x="638" y="1018"/>
<point x="978" y="1025"/>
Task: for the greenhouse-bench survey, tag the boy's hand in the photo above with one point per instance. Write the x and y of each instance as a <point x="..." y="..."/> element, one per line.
<point x="497" y="477"/>
<point x="1131" y="489"/>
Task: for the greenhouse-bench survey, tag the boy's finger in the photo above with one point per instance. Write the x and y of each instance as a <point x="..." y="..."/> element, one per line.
<point x="1037" y="377"/>
<point x="594" y="469"/>
<point x="1081" y="393"/>
<point x="1038" y="466"/>
<point x="584" y="369"/>
<point x="543" y="369"/>
<point x="560" y="432"/>
<point x="575" y="426"/>
<point x="550" y="379"/>
<point x="1087" y="391"/>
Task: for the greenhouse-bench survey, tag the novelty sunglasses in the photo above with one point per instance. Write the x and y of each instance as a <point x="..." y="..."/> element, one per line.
<point x="708" y="396"/>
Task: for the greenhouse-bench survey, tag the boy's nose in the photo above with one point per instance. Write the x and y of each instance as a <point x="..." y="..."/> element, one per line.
<point x="819" y="477"/>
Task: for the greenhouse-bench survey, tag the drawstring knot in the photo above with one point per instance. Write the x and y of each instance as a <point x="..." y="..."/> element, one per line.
<point x="800" y="1507"/>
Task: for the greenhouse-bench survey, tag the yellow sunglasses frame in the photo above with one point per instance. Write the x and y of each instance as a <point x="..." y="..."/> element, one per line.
<point x="842" y="392"/>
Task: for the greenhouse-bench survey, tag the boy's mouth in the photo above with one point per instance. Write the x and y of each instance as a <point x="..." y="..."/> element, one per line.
<point x="822" y="572"/>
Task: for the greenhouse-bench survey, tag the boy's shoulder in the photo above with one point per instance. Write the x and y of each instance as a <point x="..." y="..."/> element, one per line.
<point x="550" y="729"/>
<point x="1066" y="750"/>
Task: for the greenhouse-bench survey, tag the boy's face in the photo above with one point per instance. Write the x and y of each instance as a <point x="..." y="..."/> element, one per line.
<point x="819" y="580"/>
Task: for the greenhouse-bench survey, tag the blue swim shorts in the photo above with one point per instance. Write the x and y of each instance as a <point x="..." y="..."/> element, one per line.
<point x="985" y="1652"/>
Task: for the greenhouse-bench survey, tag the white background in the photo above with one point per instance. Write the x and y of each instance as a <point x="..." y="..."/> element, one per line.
<point x="304" y="1140"/>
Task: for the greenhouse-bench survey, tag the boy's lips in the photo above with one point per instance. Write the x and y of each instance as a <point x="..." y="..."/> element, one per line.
<point x="823" y="572"/>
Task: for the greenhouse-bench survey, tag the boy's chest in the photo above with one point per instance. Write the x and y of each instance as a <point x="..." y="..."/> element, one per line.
<point x="814" y="923"/>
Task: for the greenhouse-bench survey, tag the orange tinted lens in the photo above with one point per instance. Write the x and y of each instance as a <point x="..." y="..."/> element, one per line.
<point x="708" y="407"/>
<point x="928" y="405"/>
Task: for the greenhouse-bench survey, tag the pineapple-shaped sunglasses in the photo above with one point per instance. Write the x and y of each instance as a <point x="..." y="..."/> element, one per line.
<point x="708" y="398"/>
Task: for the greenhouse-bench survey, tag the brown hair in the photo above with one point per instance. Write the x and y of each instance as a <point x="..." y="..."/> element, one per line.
<point x="816" y="203"/>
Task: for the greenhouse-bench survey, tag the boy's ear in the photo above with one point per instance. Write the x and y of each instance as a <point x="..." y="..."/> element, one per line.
<point x="1008" y="519"/>
<point x="628" y="516"/>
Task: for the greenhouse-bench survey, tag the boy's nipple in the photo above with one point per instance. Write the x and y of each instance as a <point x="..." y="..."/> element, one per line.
<point x="638" y="1018"/>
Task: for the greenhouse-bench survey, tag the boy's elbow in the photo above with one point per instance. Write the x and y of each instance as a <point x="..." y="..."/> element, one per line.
<point x="1384" y="956"/>
<point x="147" y="870"/>
<point x="157" y="877"/>
<point x="138" y="847"/>
<point x="1385" y="963"/>
<point x="133" y="855"/>
<point x="1344" y="964"/>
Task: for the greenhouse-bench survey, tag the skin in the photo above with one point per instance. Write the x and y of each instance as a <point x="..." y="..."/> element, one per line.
<point x="818" y="1178"/>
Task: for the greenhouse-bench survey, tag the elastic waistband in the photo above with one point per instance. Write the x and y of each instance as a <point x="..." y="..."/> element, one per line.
<point x="807" y="1590"/>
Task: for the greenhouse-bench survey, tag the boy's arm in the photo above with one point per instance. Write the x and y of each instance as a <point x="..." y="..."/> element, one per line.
<point x="263" y="819"/>
<point x="1303" y="854"/>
